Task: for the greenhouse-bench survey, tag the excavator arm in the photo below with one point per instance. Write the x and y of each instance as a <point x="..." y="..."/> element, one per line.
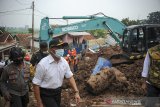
<point x="134" y="40"/>
<point x="114" y="26"/>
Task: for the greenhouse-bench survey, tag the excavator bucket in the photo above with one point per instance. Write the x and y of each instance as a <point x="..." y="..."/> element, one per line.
<point x="118" y="59"/>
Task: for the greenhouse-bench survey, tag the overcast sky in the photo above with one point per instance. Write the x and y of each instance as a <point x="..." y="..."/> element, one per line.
<point x="134" y="9"/>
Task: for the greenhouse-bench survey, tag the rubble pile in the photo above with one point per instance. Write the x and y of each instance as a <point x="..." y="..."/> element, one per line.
<point x="133" y="75"/>
<point x="131" y="86"/>
<point x="99" y="82"/>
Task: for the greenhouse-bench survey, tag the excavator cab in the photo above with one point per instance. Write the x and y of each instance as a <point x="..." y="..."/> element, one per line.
<point x="137" y="39"/>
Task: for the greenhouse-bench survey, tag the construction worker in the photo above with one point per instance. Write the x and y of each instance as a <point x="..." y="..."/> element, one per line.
<point x="151" y="73"/>
<point x="74" y="59"/>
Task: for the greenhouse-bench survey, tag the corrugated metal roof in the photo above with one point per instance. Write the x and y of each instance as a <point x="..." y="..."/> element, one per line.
<point x="110" y="40"/>
<point x="96" y="43"/>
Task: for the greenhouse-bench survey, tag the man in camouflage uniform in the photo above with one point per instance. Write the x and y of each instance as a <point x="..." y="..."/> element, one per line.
<point x="14" y="79"/>
<point x="151" y="73"/>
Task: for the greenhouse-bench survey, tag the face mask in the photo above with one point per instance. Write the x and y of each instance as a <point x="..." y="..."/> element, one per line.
<point x="18" y="61"/>
<point x="45" y="52"/>
<point x="59" y="52"/>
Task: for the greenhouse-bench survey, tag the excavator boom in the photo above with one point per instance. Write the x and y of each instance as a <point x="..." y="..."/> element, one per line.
<point x="134" y="40"/>
<point x="115" y="27"/>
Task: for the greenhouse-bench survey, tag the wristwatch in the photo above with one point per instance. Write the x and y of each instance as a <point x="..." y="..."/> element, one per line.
<point x="76" y="92"/>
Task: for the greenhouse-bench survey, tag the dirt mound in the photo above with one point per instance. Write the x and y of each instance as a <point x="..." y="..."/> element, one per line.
<point x="132" y="73"/>
<point x="99" y="82"/>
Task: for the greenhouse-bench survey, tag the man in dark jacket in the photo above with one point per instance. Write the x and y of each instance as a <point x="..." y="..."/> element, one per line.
<point x="43" y="52"/>
<point x="36" y="57"/>
<point x="14" y="79"/>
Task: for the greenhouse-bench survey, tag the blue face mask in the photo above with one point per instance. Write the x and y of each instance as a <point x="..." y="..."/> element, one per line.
<point x="59" y="52"/>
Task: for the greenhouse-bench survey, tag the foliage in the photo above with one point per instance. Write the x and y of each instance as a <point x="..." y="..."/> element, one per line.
<point x="99" y="33"/>
<point x="129" y="22"/>
<point x="153" y="18"/>
<point x="30" y="30"/>
<point x="2" y="29"/>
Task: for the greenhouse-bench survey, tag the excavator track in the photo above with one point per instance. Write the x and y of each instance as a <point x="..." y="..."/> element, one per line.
<point x="120" y="59"/>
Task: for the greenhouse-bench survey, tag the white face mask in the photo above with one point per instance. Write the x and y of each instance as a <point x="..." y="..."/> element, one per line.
<point x="45" y="52"/>
<point x="59" y="52"/>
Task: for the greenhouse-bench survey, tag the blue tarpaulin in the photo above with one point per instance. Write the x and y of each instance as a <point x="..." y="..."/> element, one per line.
<point x="101" y="63"/>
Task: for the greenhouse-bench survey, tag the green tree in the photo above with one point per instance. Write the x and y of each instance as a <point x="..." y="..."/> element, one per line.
<point x="129" y="22"/>
<point x="30" y="30"/>
<point x="154" y="18"/>
<point x="2" y="29"/>
<point x="99" y="33"/>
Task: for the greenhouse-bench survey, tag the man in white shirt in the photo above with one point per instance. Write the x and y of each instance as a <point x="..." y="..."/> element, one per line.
<point x="49" y="76"/>
<point x="151" y="73"/>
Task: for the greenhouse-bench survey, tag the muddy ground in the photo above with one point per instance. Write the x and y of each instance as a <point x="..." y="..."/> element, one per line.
<point x="132" y="72"/>
<point x="116" y="89"/>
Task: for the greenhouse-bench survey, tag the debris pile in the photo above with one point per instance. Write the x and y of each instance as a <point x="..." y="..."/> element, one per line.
<point x="99" y="82"/>
<point x="128" y="84"/>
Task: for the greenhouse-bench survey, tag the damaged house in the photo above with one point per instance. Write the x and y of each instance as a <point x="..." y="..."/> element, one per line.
<point x="6" y="43"/>
<point x="75" y="39"/>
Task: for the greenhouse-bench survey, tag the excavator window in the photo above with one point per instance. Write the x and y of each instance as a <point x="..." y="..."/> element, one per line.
<point x="141" y="41"/>
<point x="137" y="40"/>
<point x="134" y="39"/>
<point x="126" y="39"/>
<point x="158" y="34"/>
<point x="153" y="36"/>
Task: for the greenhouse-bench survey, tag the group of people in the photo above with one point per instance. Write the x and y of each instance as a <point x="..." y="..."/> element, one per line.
<point x="51" y="68"/>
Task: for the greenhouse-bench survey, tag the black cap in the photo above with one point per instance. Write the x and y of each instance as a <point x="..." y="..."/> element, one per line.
<point x="16" y="52"/>
<point x="43" y="45"/>
<point x="56" y="42"/>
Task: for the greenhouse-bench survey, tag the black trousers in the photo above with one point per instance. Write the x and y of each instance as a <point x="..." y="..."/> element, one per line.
<point x="51" y="97"/>
<point x="19" y="101"/>
<point x="153" y="96"/>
